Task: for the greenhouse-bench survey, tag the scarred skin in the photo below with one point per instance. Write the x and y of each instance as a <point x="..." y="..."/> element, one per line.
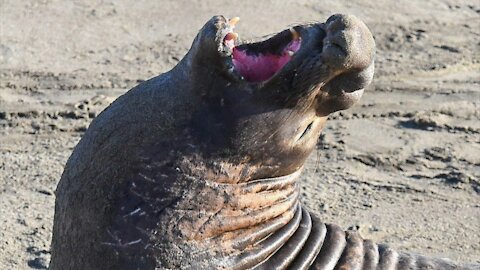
<point x="197" y="168"/>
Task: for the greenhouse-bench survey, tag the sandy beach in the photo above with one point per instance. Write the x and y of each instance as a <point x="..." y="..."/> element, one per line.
<point x="402" y="167"/>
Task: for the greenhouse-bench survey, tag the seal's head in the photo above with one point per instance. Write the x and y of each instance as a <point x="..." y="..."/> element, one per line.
<point x="265" y="103"/>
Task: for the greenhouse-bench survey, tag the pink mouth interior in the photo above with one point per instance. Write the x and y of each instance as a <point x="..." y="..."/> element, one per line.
<point x="261" y="67"/>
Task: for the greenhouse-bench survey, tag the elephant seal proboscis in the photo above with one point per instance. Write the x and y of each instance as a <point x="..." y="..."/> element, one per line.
<point x="197" y="168"/>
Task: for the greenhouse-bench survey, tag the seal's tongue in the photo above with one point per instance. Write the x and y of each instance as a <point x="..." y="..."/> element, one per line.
<point x="259" y="66"/>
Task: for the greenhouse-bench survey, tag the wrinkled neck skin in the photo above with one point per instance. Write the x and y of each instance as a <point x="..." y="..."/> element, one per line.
<point x="243" y="147"/>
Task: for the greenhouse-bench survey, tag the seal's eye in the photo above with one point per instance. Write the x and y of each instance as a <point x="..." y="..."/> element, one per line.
<point x="307" y="129"/>
<point x="257" y="62"/>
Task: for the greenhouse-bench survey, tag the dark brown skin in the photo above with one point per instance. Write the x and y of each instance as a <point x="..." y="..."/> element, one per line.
<point x="195" y="168"/>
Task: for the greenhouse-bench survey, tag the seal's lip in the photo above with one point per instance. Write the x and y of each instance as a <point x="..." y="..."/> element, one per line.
<point x="258" y="62"/>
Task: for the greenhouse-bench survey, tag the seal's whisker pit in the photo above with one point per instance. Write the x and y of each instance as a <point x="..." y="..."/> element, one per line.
<point x="258" y="62"/>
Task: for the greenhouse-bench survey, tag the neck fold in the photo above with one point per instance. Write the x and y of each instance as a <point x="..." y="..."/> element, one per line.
<point x="240" y="214"/>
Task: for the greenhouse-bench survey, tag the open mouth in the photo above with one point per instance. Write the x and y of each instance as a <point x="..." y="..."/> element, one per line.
<point x="260" y="61"/>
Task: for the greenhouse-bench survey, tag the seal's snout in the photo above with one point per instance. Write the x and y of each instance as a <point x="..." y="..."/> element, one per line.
<point x="348" y="43"/>
<point x="346" y="64"/>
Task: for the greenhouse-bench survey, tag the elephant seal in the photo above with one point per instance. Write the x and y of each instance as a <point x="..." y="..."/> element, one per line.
<point x="198" y="168"/>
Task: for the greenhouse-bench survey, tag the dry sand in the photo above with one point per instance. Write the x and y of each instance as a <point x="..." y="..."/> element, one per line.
<point x="402" y="167"/>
